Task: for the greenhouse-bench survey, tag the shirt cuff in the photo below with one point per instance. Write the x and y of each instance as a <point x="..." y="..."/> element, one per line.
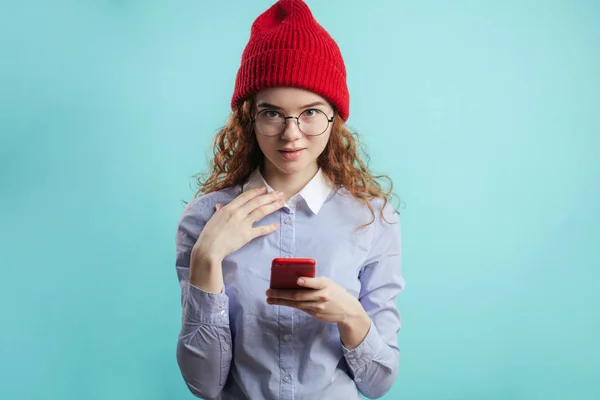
<point x="205" y="308"/>
<point x="365" y="352"/>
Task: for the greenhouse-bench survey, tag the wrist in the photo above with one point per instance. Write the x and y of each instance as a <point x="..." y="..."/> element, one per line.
<point x="355" y="326"/>
<point x="358" y="317"/>
<point x="201" y="258"/>
<point x="206" y="271"/>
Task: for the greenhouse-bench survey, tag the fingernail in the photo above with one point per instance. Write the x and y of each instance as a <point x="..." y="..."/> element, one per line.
<point x="300" y="281"/>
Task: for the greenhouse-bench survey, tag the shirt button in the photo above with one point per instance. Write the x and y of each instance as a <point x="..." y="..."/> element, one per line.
<point x="225" y="347"/>
<point x="358" y="380"/>
<point x="223" y="313"/>
<point x="286" y="378"/>
<point x="288" y="220"/>
<point x="287" y="338"/>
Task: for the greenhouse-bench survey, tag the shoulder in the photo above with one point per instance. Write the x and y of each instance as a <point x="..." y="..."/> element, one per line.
<point x="384" y="211"/>
<point x="202" y="207"/>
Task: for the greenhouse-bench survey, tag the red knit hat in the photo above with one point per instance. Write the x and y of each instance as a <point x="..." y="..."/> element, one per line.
<point x="288" y="47"/>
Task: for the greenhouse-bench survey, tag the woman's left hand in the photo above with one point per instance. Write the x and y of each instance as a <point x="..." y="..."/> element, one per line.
<point x="326" y="301"/>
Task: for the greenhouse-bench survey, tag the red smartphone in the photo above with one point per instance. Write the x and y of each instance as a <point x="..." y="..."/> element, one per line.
<point x="286" y="271"/>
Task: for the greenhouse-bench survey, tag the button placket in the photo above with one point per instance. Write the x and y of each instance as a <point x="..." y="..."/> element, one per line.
<point x="287" y="234"/>
<point x="285" y="314"/>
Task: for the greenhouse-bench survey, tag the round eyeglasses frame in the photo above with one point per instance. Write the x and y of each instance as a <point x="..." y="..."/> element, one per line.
<point x="329" y="121"/>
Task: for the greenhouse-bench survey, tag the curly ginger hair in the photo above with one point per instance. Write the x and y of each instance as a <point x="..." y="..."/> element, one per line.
<point x="236" y="155"/>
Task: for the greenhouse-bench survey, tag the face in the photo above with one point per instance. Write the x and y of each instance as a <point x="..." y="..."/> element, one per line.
<point x="291" y="151"/>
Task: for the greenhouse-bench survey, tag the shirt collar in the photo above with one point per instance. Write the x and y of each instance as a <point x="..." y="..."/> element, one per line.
<point x="314" y="193"/>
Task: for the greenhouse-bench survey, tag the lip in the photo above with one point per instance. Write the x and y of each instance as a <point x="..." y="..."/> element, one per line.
<point x="291" y="154"/>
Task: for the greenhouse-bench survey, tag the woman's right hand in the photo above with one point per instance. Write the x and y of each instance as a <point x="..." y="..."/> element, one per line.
<point x="230" y="227"/>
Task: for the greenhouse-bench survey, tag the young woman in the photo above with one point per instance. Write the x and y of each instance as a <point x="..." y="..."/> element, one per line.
<point x="286" y="181"/>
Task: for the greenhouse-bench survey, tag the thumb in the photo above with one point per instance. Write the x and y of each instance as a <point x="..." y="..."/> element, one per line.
<point x="312" y="283"/>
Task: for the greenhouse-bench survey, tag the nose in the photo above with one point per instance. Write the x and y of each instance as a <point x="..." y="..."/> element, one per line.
<point x="291" y="131"/>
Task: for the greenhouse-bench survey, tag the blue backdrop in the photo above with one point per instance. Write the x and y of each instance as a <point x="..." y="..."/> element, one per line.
<point x="485" y="114"/>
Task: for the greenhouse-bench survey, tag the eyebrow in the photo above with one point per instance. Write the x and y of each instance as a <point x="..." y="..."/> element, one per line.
<point x="267" y="105"/>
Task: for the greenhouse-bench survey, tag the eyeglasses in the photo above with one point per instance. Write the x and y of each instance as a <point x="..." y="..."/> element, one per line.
<point x="311" y="122"/>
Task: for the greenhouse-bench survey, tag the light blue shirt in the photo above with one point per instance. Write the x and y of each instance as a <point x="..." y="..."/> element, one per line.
<point x="233" y="345"/>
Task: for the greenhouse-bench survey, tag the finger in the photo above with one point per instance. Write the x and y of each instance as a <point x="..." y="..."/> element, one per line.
<point x="259" y="213"/>
<point x="313" y="283"/>
<point x="295" y="295"/>
<point x="247" y="196"/>
<point x="261" y="200"/>
<point x="263" y="230"/>
<point x="301" y="305"/>
<point x="218" y="206"/>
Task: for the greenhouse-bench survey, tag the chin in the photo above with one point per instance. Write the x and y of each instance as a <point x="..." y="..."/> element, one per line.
<point x="291" y="167"/>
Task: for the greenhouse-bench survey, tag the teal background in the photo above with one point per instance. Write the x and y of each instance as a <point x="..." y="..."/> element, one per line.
<point x="485" y="114"/>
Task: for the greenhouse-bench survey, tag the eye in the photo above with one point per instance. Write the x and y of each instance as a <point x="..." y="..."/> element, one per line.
<point x="271" y="114"/>
<point x="311" y="112"/>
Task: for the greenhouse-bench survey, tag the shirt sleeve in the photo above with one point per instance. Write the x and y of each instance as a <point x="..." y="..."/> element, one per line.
<point x="204" y="344"/>
<point x="374" y="363"/>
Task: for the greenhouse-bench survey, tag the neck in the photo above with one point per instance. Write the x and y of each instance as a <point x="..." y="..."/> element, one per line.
<point x="289" y="184"/>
